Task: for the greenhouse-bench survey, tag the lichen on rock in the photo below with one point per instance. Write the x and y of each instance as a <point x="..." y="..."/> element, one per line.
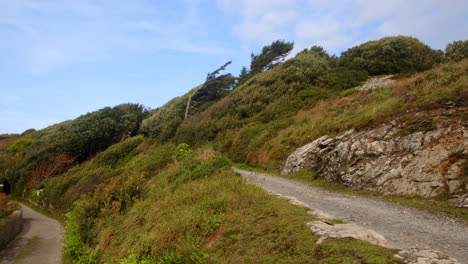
<point x="422" y="153"/>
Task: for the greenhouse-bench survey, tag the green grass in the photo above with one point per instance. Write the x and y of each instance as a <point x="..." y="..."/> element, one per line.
<point x="195" y="209"/>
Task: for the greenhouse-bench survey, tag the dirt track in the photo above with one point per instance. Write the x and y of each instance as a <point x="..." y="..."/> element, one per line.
<point x="402" y="226"/>
<point x="40" y="241"/>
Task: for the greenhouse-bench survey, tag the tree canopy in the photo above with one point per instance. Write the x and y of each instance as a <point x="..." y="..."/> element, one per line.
<point x="271" y="54"/>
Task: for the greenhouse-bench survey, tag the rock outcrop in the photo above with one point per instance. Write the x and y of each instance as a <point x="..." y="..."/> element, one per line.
<point x="377" y="82"/>
<point x="421" y="153"/>
<point x="325" y="230"/>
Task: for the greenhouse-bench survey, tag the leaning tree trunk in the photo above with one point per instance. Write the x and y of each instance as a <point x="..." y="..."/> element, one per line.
<point x="208" y="77"/>
<point x="190" y="99"/>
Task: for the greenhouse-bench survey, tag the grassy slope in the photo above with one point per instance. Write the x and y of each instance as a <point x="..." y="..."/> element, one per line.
<point x="194" y="210"/>
<point x="268" y="144"/>
<point x="136" y="200"/>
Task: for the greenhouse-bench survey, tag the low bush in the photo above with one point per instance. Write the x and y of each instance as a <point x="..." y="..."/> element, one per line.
<point x="19" y="145"/>
<point x="6" y="207"/>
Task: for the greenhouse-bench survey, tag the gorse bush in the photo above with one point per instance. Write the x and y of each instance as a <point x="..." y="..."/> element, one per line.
<point x="391" y="55"/>
<point x="183" y="150"/>
<point x="456" y="51"/>
<point x="342" y="78"/>
<point x="19" y="145"/>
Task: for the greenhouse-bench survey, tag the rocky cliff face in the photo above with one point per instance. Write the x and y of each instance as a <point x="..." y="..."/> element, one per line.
<point x="420" y="153"/>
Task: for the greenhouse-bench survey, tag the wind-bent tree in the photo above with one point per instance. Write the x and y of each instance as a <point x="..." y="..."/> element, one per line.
<point x="270" y="56"/>
<point x="209" y="80"/>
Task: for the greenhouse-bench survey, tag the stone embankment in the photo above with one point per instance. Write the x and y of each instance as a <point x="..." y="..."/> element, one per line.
<point x="420" y="153"/>
<point x="11" y="228"/>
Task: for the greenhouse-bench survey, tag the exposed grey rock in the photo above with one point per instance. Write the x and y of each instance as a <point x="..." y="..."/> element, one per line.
<point x="377" y="82"/>
<point x="327" y="230"/>
<point x="424" y="256"/>
<point x="391" y="158"/>
<point x="460" y="201"/>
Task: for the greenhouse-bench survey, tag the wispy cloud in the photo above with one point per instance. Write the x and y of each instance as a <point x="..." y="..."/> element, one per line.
<point x="339" y="24"/>
<point x="42" y="35"/>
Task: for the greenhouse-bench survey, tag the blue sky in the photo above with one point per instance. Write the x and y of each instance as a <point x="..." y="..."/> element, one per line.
<point x="64" y="58"/>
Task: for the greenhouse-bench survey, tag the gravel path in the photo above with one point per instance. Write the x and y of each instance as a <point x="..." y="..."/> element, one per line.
<point x="40" y="241"/>
<point x="403" y="227"/>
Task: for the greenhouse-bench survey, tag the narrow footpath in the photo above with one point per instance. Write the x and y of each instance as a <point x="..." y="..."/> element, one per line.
<point x="40" y="241"/>
<point x="402" y="226"/>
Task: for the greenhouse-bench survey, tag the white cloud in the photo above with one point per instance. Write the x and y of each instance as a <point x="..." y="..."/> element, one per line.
<point x="42" y="35"/>
<point x="340" y="24"/>
<point x="261" y="20"/>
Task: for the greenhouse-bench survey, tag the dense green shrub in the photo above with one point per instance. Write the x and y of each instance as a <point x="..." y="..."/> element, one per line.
<point x="456" y="51"/>
<point x="183" y="150"/>
<point x="390" y="55"/>
<point x="19" y="145"/>
<point x="119" y="153"/>
<point x="341" y="78"/>
<point x="28" y="131"/>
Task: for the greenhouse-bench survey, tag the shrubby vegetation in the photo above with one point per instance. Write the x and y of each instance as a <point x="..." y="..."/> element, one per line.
<point x="193" y="210"/>
<point x="154" y="187"/>
<point x="162" y="122"/>
<point x="456" y="51"/>
<point x="19" y="145"/>
<point x="391" y="55"/>
<point x="74" y="140"/>
<point x="6" y="208"/>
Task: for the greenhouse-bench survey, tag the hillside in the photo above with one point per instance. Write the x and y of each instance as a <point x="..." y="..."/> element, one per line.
<point x="156" y="187"/>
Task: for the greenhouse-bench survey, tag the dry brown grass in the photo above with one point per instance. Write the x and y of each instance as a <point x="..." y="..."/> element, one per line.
<point x="205" y="154"/>
<point x="5" y="143"/>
